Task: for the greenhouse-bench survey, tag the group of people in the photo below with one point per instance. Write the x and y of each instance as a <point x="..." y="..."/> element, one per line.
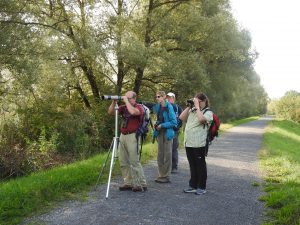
<point x="166" y="130"/>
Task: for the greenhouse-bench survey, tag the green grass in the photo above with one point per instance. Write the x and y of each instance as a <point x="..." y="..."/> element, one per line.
<point x="40" y="191"/>
<point x="280" y="162"/>
<point x="24" y="196"/>
<point x="225" y="126"/>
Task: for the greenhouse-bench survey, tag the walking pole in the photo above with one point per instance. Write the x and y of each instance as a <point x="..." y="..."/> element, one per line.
<point x="114" y="149"/>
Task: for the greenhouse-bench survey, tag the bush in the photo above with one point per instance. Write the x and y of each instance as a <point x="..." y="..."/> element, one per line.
<point x="32" y="141"/>
<point x="287" y="107"/>
<point x="15" y="158"/>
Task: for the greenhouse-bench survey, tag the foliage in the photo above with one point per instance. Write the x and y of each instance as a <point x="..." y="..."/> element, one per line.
<point x="280" y="160"/>
<point x="287" y="107"/>
<point x="58" y="57"/>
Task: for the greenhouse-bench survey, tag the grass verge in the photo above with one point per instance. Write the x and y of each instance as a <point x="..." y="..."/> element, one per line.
<point x="280" y="162"/>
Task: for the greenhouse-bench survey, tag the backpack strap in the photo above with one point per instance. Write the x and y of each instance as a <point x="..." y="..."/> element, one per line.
<point x="205" y="110"/>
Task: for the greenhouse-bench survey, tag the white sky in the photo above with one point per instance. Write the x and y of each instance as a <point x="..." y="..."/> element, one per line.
<point x="275" y="30"/>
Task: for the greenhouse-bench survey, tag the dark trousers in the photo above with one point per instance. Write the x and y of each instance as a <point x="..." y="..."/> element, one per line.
<point x="196" y="158"/>
<point x="175" y="151"/>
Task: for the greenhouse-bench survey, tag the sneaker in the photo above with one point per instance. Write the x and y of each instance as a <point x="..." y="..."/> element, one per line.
<point x="200" y="191"/>
<point x="189" y="190"/>
<point x="162" y="180"/>
<point x="125" y="187"/>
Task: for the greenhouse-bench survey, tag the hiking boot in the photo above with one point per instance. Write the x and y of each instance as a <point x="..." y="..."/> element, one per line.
<point x="139" y="188"/>
<point x="162" y="180"/>
<point x="189" y="190"/>
<point x="200" y="191"/>
<point x="125" y="187"/>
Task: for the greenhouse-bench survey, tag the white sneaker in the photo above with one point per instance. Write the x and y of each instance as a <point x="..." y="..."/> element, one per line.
<point x="200" y="191"/>
<point x="189" y="190"/>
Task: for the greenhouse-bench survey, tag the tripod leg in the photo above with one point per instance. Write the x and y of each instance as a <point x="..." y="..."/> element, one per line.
<point x="104" y="164"/>
<point x="115" y="145"/>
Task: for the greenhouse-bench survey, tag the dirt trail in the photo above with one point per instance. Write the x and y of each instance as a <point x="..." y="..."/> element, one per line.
<point x="231" y="197"/>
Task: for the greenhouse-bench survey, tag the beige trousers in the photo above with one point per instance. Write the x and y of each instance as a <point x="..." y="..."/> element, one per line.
<point x="164" y="156"/>
<point x="129" y="154"/>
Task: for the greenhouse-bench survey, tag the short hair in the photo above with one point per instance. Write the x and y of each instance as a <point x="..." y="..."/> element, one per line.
<point x="161" y="93"/>
<point x="132" y="93"/>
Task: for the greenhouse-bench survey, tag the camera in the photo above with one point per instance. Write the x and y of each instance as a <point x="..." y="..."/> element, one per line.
<point x="156" y="125"/>
<point x="190" y="102"/>
<point x="111" y="97"/>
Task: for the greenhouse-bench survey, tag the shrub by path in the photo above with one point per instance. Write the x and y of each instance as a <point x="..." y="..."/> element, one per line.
<point x="231" y="198"/>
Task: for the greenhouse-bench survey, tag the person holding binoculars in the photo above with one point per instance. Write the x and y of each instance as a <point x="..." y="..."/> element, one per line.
<point x="195" y="134"/>
<point x="164" y="132"/>
<point x="131" y="168"/>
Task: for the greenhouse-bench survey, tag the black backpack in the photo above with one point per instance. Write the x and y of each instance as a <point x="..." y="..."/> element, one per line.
<point x="177" y="111"/>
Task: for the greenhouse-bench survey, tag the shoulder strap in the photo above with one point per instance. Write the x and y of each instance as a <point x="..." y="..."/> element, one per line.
<point x="206" y="109"/>
<point x="176" y="106"/>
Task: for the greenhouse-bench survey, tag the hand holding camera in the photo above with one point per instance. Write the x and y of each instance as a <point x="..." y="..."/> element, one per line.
<point x="190" y="103"/>
<point x="157" y="126"/>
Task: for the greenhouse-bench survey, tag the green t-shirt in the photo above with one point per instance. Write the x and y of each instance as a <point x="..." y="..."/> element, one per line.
<point x="195" y="133"/>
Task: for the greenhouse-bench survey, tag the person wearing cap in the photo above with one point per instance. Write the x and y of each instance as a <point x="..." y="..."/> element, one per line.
<point x="164" y="133"/>
<point x="178" y="111"/>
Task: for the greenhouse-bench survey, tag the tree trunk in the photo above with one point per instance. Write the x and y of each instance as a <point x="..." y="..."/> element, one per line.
<point x="120" y="74"/>
<point x="147" y="42"/>
<point x="91" y="78"/>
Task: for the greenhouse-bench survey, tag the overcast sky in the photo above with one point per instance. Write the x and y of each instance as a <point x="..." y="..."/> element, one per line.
<point x="275" y="30"/>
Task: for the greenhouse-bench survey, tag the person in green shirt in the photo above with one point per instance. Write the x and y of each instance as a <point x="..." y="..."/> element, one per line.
<point x="195" y="134"/>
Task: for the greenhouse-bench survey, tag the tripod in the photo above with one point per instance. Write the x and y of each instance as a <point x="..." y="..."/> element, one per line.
<point x="113" y="148"/>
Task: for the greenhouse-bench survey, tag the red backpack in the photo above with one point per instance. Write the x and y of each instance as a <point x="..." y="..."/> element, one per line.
<point x="213" y="130"/>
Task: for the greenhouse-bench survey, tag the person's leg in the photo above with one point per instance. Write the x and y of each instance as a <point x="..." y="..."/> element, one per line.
<point x="201" y="168"/>
<point x="160" y="153"/>
<point x="137" y="172"/>
<point x="124" y="161"/>
<point x="175" y="152"/>
<point x="167" y="166"/>
<point x="164" y="158"/>
<point x="192" y="164"/>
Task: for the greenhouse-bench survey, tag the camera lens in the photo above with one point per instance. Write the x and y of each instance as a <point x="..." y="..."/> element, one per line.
<point x="111" y="97"/>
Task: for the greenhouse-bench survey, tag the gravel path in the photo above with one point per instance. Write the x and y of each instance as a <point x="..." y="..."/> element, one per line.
<point x="231" y="197"/>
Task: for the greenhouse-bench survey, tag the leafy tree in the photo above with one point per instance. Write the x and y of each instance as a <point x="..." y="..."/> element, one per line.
<point x="288" y="107"/>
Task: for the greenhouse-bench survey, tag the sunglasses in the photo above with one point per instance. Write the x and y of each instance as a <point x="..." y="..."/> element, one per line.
<point x="158" y="96"/>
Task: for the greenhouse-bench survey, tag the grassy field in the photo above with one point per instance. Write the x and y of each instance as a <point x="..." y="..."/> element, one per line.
<point x="38" y="192"/>
<point x="280" y="161"/>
